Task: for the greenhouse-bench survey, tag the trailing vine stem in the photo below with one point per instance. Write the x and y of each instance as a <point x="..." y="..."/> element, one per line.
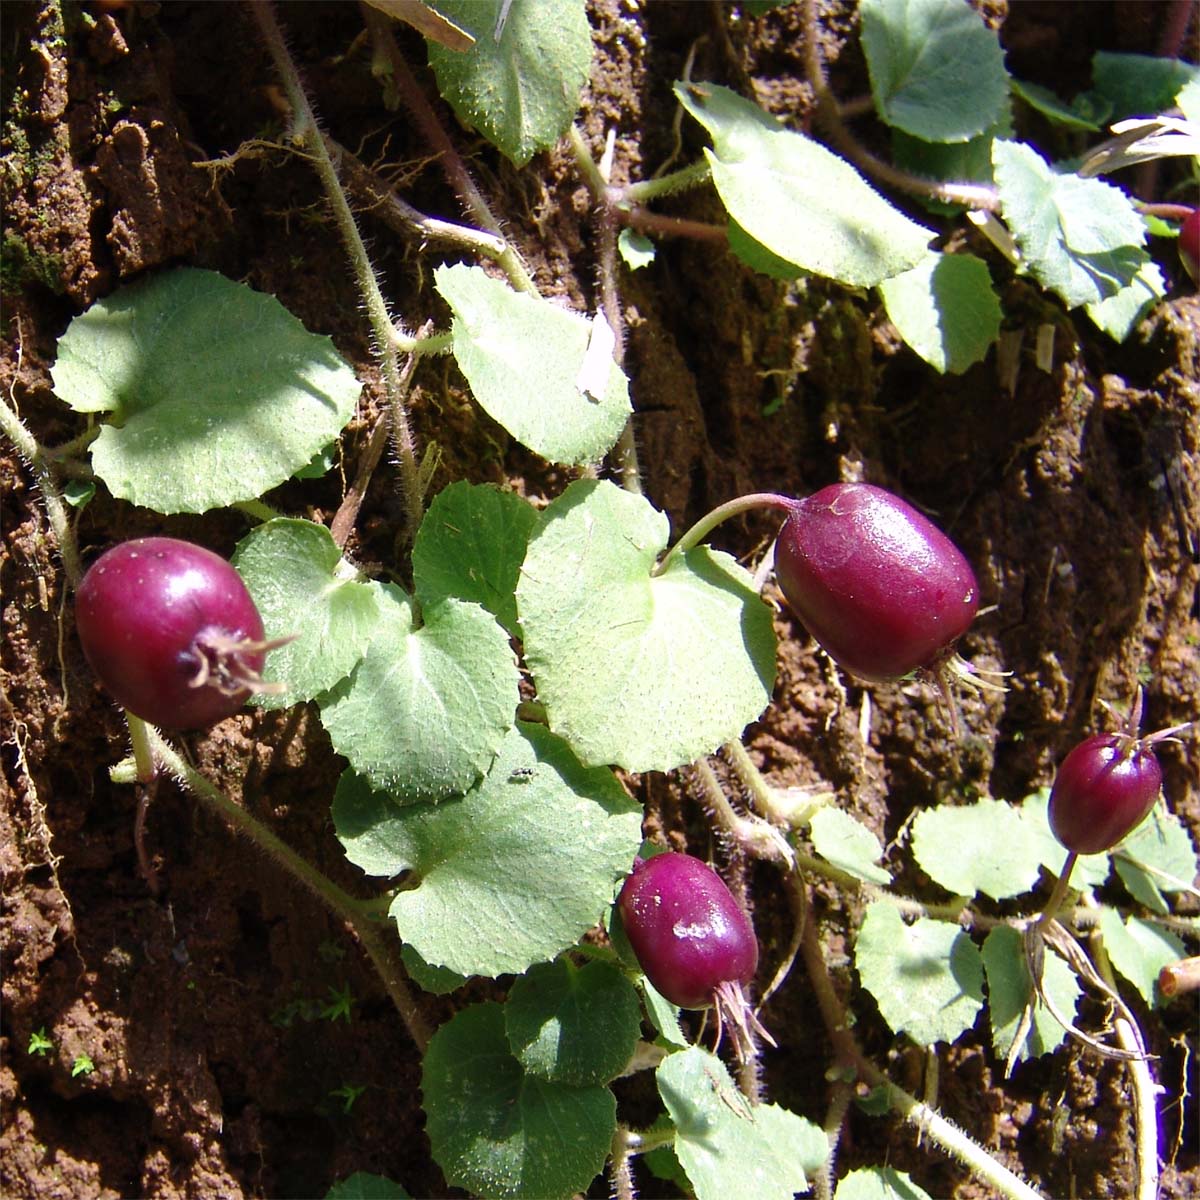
<point x="57" y="514"/>
<point x="928" y="1121"/>
<point x="979" y="196"/>
<point x="389" y="60"/>
<point x="1145" y="1090"/>
<point x="344" y="906"/>
<point x="388" y="340"/>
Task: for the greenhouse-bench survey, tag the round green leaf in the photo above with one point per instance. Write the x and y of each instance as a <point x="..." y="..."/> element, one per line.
<point x="427" y="707"/>
<point x="1010" y="989"/>
<point x="499" y="1132"/>
<point x="305" y="590"/>
<point x="510" y="874"/>
<point x="726" y="1146"/>
<point x="982" y="847"/>
<point x="927" y="978"/>
<point x="946" y="309"/>
<point x="519" y="84"/>
<point x="798" y="199"/>
<point x="1139" y="950"/>
<point x="522" y="356"/>
<point x="878" y="1183"/>
<point x="1156" y="858"/>
<point x="937" y="71"/>
<point x="645" y="672"/>
<point x="576" y="1025"/>
<point x="838" y="838"/>
<point x="216" y="392"/>
<point x="1081" y="238"/>
<point x="364" y="1186"/>
<point x="470" y="545"/>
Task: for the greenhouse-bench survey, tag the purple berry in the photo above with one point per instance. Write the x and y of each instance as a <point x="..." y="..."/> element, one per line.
<point x="877" y="584"/>
<point x="692" y="938"/>
<point x="1104" y="789"/>
<point x="171" y="632"/>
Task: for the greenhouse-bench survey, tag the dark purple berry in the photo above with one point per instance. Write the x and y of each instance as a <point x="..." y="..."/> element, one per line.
<point x="1104" y="789"/>
<point x="171" y="632"/>
<point x="877" y="584"/>
<point x="692" y="938"/>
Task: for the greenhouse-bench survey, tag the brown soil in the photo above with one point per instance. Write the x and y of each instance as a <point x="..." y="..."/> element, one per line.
<point x="1076" y="497"/>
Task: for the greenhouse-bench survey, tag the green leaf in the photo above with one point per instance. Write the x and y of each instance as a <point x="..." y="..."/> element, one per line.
<point x="1118" y="315"/>
<point x="522" y="356"/>
<point x="1081" y="237"/>
<point x="1139" y="85"/>
<point x="216" y="392"/>
<point x="519" y="88"/>
<point x="982" y="847"/>
<point x="727" y="1147"/>
<point x="1139" y="950"/>
<point x="878" y="1183"/>
<point x="796" y="198"/>
<point x="510" y="874"/>
<point x="1010" y="989"/>
<point x="364" y="1186"/>
<point x="576" y="1025"/>
<point x="499" y="1132"/>
<point x="304" y="589"/>
<point x="427" y="707"/>
<point x="937" y="71"/>
<point x="688" y="656"/>
<point x="470" y="546"/>
<point x="1091" y="870"/>
<point x="636" y="249"/>
<point x="838" y="838"/>
<point x="927" y="978"/>
<point x="1086" y="111"/>
<point x="1157" y="858"/>
<point x="945" y="309"/>
<point x="438" y="980"/>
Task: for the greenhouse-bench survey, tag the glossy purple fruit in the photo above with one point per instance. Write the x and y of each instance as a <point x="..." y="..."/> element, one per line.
<point x="882" y="589"/>
<point x="1104" y="789"/>
<point x="689" y="934"/>
<point x="171" y="632"/>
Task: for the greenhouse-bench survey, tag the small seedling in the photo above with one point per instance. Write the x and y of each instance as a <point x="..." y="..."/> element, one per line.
<point x="340" y="1005"/>
<point x="82" y="1065"/>
<point x="693" y="940"/>
<point x="347" y="1094"/>
<point x="171" y="631"/>
<point x="39" y="1043"/>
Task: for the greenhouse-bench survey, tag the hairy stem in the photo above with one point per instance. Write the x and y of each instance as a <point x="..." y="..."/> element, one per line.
<point x="828" y="116"/>
<point x="625" y="451"/>
<point x="57" y="512"/>
<point x="928" y="1121"/>
<point x="342" y="904"/>
<point x="449" y="159"/>
<point x="1145" y="1090"/>
<point x="377" y="311"/>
